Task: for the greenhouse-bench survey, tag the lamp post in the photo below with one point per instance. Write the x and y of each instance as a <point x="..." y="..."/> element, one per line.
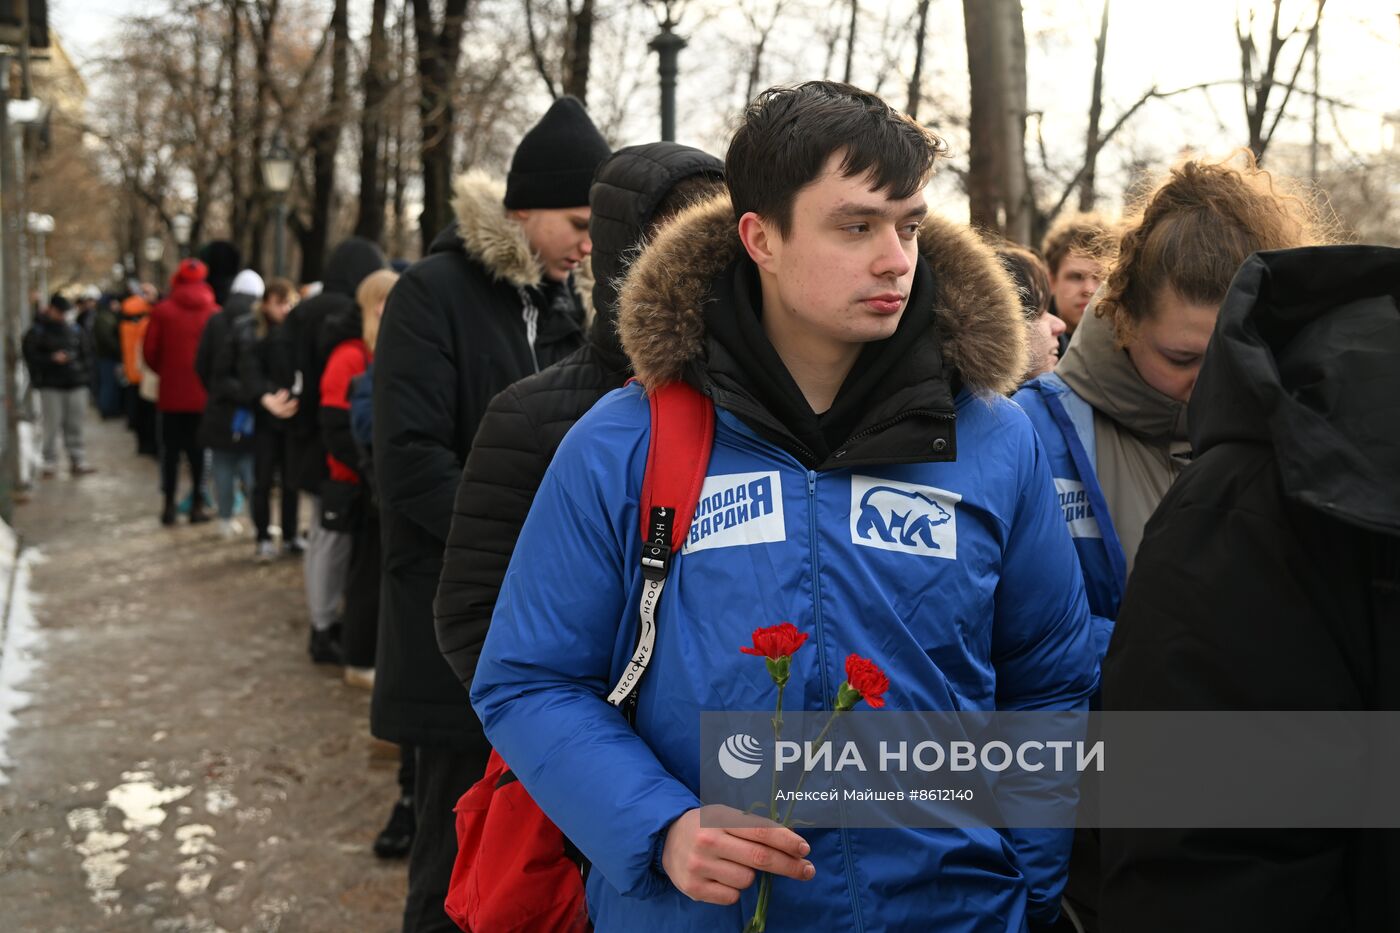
<point x="41" y="225"/>
<point x="277" y="167"/>
<point x="667" y="46"/>
<point x="153" y="248"/>
<point x="180" y="227"/>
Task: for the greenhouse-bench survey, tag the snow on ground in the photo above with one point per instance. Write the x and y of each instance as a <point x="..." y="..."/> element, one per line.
<point x="19" y="637"/>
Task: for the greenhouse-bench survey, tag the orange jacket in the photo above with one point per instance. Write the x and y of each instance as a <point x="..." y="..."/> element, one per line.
<point x="136" y="315"/>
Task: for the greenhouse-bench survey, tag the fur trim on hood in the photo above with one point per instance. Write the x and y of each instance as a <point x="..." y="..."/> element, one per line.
<point x="976" y="312"/>
<point x="478" y="203"/>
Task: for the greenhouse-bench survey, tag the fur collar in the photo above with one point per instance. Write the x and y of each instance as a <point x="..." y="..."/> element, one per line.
<point x="488" y="234"/>
<point x="977" y="314"/>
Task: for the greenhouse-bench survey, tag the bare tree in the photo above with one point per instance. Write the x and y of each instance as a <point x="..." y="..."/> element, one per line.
<point x="1257" y="89"/>
<point x="760" y="29"/>
<point x="370" y="220"/>
<point x="313" y="235"/>
<point x="916" y="80"/>
<point x="439" y="49"/>
<point x="1087" y="195"/>
<point x="851" y="40"/>
<point x="998" y="184"/>
<point x="562" y="57"/>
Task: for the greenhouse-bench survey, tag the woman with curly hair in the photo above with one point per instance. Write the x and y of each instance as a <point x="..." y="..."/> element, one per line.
<point x="1112" y="415"/>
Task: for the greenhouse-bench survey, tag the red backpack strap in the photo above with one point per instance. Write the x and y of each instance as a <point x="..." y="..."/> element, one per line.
<point x="682" y="434"/>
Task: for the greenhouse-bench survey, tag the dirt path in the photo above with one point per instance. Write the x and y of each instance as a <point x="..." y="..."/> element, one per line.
<point x="181" y="765"/>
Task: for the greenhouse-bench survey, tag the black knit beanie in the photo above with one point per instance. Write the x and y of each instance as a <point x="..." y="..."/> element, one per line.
<point x="554" y="164"/>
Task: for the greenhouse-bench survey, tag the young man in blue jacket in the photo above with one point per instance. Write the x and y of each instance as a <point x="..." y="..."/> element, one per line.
<point x="849" y="341"/>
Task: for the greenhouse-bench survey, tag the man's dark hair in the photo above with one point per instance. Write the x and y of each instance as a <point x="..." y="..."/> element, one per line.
<point x="788" y="133"/>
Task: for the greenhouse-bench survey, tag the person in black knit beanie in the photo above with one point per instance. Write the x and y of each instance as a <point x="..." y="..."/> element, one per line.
<point x="493" y="301"/>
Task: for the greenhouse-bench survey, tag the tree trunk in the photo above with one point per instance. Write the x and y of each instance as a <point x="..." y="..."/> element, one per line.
<point x="916" y="80"/>
<point x="370" y="223"/>
<point x="578" y="52"/>
<point x="998" y="185"/>
<point x="237" y="178"/>
<point x="851" y="40"/>
<point x="438" y="52"/>
<point x="1087" y="194"/>
<point x="262" y="107"/>
<point x="325" y="142"/>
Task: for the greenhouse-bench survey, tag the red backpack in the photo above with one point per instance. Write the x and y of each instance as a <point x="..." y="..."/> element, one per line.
<point x="515" y="871"/>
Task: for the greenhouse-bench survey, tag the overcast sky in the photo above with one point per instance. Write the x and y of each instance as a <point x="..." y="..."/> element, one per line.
<point x="1169" y="45"/>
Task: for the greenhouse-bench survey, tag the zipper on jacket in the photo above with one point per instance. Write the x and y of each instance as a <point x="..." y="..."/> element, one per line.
<point x="531" y="316"/>
<point x="826" y="683"/>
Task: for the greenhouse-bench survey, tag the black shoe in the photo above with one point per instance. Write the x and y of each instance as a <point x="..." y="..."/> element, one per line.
<point x="197" y="514"/>
<point x="396" y="838"/>
<point x="167" y="512"/>
<point x="325" y="646"/>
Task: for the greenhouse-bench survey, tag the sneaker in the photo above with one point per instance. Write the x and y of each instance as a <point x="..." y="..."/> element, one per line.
<point x="396" y="838"/>
<point x="362" y="677"/>
<point x="82" y="469"/>
<point x="197" y="514"/>
<point x="324" y="646"/>
<point x="228" y="528"/>
<point x="266" y="552"/>
<point x="49" y="471"/>
<point x="295" y="547"/>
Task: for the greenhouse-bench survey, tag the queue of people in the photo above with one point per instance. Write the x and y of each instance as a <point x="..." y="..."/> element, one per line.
<point x="1205" y="378"/>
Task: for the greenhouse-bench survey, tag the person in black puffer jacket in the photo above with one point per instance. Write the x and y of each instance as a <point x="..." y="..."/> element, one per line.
<point x="58" y="355"/>
<point x="267" y="371"/>
<point x="227" y="426"/>
<point x="1269" y="579"/>
<point x="635" y="191"/>
<point x="493" y="302"/>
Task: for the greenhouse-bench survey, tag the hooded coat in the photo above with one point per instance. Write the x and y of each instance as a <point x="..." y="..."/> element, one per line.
<point x="136" y="313"/>
<point x="1268" y="580"/>
<point x="523" y="425"/>
<point x="172" y="340"/>
<point x="986" y="613"/>
<point x="463" y="323"/>
<point x="350" y="263"/>
<point x="217" y="364"/>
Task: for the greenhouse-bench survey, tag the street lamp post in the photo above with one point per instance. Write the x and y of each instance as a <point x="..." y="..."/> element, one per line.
<point x="277" y="167"/>
<point x="667" y="46"/>
<point x="154" y="249"/>
<point x="41" y="225"/>
<point x="181" y="225"/>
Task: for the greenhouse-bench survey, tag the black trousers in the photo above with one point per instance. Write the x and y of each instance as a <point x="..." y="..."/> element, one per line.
<point x="141" y="418"/>
<point x="444" y="774"/>
<point x="177" y="437"/>
<point x="360" y="619"/>
<point x="272" y="466"/>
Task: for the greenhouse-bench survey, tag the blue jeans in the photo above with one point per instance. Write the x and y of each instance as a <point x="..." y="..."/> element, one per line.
<point x="228" y="465"/>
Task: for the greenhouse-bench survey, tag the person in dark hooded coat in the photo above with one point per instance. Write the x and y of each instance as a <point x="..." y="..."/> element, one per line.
<point x="635" y="192"/>
<point x="227" y="426"/>
<point x="491" y="303"/>
<point x="1268" y="579"/>
<point x="223" y="260"/>
<point x="327" y="555"/>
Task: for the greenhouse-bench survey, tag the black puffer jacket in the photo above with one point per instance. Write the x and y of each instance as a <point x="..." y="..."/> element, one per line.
<point x="216" y="362"/>
<point x="525" y="424"/>
<point x="266" y="363"/>
<point x="1269" y="579"/>
<point x="350" y="264"/>
<point x="46" y="337"/>
<point x="457" y="329"/>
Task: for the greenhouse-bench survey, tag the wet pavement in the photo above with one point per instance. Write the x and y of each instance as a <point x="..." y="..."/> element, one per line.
<point x="180" y="764"/>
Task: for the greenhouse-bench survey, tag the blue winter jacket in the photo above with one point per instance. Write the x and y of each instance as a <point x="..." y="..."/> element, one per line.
<point x="979" y="608"/>
<point x="1065" y="424"/>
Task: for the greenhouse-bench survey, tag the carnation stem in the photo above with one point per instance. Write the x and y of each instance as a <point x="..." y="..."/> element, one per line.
<point x="792" y="801"/>
<point x="765" y="881"/>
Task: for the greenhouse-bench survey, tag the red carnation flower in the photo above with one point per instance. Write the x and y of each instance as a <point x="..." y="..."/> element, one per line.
<point x="866" y="679"/>
<point x="776" y="641"/>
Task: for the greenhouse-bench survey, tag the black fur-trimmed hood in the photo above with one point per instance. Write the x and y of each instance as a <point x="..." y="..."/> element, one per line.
<point x="977" y="314"/>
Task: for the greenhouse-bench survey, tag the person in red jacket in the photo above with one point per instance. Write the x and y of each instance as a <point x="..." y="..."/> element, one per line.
<point x="172" y="337"/>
